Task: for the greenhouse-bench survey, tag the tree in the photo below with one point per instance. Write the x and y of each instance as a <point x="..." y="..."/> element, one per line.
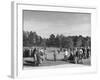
<point x="57" y="41"/>
<point x="43" y="43"/>
<point x="38" y="40"/>
<point x="67" y="42"/>
<point x="25" y="38"/>
<point x="75" y="40"/>
<point x="32" y="38"/>
<point x="61" y="41"/>
<point x="79" y="42"/>
<point x="52" y="40"/>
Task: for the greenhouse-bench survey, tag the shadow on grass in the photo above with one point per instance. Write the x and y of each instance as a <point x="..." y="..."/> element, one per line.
<point x="54" y="60"/>
<point x="29" y="63"/>
<point x="49" y="62"/>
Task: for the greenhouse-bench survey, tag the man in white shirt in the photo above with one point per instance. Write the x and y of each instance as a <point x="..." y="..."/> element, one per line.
<point x="66" y="55"/>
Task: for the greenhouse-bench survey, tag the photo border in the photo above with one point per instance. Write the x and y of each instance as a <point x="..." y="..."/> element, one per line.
<point x="17" y="28"/>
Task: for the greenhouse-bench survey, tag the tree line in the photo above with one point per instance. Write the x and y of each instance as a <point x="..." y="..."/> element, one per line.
<point x="33" y="39"/>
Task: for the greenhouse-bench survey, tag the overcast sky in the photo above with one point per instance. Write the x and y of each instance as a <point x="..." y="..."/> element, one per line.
<point x="45" y="23"/>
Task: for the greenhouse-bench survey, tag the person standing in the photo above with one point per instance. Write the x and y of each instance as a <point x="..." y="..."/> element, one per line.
<point x="66" y="55"/>
<point x="34" y="54"/>
<point x="54" y="54"/>
<point x="88" y="53"/>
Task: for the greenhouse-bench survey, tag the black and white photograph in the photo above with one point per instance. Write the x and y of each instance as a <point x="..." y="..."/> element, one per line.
<point x="53" y="38"/>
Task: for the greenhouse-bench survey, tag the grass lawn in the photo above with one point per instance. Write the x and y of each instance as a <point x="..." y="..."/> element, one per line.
<point x="50" y="61"/>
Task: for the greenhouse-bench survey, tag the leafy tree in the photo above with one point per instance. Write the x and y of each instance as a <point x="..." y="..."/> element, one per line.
<point x="52" y="40"/>
<point x="61" y="41"/>
<point x="57" y="41"/>
<point x="67" y="42"/>
<point x="79" y="42"/>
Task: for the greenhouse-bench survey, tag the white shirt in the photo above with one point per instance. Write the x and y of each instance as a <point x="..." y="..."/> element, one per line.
<point x="66" y="52"/>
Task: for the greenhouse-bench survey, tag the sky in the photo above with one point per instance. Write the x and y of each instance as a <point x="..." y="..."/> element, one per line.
<point x="45" y="23"/>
